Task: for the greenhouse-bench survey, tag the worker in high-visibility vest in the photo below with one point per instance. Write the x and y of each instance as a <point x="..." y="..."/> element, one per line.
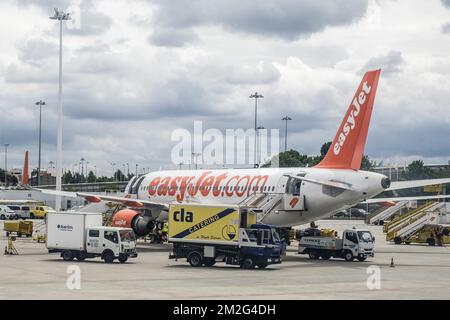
<point x="164" y="231"/>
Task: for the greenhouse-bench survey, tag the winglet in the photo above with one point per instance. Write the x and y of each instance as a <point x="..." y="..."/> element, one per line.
<point x="347" y="148"/>
<point x="25" y="181"/>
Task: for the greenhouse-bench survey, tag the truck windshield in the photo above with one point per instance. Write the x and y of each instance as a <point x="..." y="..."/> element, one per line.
<point x="365" y="236"/>
<point x="276" y="237"/>
<point x="127" y="235"/>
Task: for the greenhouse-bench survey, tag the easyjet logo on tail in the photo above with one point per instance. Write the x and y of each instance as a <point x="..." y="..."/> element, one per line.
<point x="352" y="117"/>
<point x="347" y="148"/>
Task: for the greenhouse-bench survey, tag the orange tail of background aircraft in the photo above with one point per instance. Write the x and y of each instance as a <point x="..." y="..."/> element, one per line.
<point x="25" y="181"/>
<point x="346" y="150"/>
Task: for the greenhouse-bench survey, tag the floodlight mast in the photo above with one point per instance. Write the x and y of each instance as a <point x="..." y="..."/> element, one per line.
<point x="60" y="16"/>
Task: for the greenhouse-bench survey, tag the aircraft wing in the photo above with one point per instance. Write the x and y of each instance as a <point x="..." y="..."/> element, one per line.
<point x="395" y="185"/>
<point x="393" y="199"/>
<point x="138" y="203"/>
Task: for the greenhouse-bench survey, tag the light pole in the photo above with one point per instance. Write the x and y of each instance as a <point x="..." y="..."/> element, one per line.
<point x="60" y="16"/>
<point x="259" y="144"/>
<point x="256" y="96"/>
<point x="82" y="167"/>
<point x="40" y="103"/>
<point x="6" y="164"/>
<point x="285" y="118"/>
<point x="137" y="169"/>
<point x="194" y="157"/>
<point x="114" y="170"/>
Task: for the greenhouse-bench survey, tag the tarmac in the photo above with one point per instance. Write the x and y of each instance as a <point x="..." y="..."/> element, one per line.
<point x="419" y="272"/>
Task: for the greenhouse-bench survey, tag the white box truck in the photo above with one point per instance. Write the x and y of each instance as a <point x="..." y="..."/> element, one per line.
<point x="81" y="235"/>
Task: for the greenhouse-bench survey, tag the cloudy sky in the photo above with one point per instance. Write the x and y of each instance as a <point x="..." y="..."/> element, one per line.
<point x="136" y="70"/>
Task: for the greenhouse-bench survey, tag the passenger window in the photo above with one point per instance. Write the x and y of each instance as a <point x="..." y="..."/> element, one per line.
<point x="111" y="236"/>
<point x="94" y="233"/>
<point x="351" y="236"/>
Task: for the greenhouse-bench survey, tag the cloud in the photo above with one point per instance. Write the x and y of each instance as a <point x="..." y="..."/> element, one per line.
<point x="446" y="3"/>
<point x="171" y="37"/>
<point x="286" y="19"/>
<point x="389" y="63"/>
<point x="445" y="28"/>
<point x="156" y="66"/>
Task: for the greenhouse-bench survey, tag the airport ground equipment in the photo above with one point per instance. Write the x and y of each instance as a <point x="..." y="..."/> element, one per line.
<point x="429" y="225"/>
<point x="398" y="221"/>
<point x="19" y="228"/>
<point x="355" y="243"/>
<point x="10" y="249"/>
<point x="81" y="235"/>
<point x="206" y="234"/>
<point x="40" y="231"/>
<point x="381" y="217"/>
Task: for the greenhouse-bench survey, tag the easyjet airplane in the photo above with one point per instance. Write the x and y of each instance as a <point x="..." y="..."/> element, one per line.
<point x="282" y="196"/>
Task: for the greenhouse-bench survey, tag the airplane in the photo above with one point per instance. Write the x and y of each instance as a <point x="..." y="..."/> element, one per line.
<point x="283" y="197"/>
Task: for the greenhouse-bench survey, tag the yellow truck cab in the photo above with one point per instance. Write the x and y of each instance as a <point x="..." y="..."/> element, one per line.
<point x="40" y="212"/>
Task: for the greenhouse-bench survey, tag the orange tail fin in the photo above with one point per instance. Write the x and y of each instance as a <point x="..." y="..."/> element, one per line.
<point x="346" y="150"/>
<point x="25" y="171"/>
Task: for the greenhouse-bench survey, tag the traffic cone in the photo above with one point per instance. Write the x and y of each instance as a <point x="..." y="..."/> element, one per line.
<point x="392" y="263"/>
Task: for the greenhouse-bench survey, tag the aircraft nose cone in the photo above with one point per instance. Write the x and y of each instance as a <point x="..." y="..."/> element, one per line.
<point x="385" y="183"/>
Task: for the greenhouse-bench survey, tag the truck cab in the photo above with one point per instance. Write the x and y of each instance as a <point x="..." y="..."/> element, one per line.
<point x="261" y="242"/>
<point x="359" y="242"/>
<point x="111" y="243"/>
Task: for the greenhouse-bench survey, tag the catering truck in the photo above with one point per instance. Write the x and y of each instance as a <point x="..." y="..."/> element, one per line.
<point x="206" y="234"/>
<point x="80" y="235"/>
<point x="357" y="244"/>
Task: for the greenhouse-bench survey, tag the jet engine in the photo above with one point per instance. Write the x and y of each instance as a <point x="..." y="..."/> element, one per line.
<point x="127" y="218"/>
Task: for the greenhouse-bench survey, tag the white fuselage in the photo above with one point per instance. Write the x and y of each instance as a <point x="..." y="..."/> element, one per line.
<point x="233" y="186"/>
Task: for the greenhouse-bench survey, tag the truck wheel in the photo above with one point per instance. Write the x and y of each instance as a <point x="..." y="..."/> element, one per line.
<point x="313" y="254"/>
<point x="67" y="255"/>
<point x="248" y="263"/>
<point x="123" y="259"/>
<point x="108" y="257"/>
<point x="195" y="259"/>
<point x="32" y="216"/>
<point x="397" y="240"/>
<point x="348" y="256"/>
<point x="7" y="233"/>
<point x="431" y="241"/>
<point x="209" y="262"/>
<point x="262" y="265"/>
<point x="2" y="217"/>
<point x="19" y="234"/>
